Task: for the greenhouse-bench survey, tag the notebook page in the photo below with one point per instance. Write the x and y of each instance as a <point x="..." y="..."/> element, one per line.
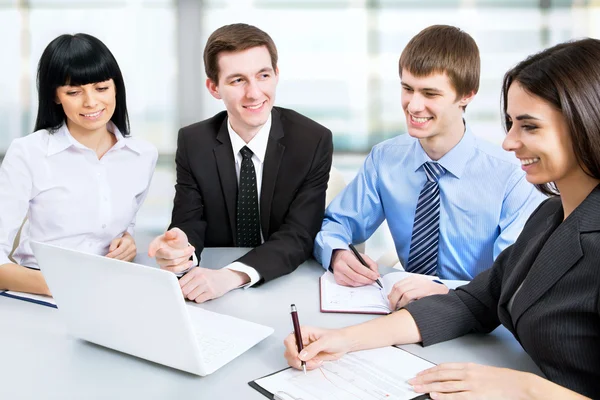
<point x="388" y="280"/>
<point x="28" y="296"/>
<point x="340" y="298"/>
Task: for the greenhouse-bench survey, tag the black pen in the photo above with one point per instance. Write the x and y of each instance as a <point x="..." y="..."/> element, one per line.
<point x="297" y="333"/>
<point x="362" y="261"/>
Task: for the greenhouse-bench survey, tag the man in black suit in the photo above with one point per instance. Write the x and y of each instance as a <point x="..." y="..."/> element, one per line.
<point x="252" y="176"/>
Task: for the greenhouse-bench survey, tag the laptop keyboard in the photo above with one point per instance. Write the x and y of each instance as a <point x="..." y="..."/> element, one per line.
<point x="212" y="347"/>
<point x="221" y="338"/>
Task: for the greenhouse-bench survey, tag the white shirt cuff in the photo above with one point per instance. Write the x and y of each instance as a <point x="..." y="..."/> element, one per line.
<point x="194" y="258"/>
<point x="196" y="263"/>
<point x="329" y="248"/>
<point x="251" y="272"/>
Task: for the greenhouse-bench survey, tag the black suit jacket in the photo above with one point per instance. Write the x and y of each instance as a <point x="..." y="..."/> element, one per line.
<point x="555" y="314"/>
<point x="292" y="199"/>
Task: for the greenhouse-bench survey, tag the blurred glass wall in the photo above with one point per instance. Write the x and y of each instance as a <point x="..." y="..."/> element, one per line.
<point x="338" y="61"/>
<point x="141" y="35"/>
<point x="338" y="58"/>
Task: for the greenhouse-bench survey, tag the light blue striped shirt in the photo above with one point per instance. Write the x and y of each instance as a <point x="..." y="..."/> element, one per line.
<point x="484" y="203"/>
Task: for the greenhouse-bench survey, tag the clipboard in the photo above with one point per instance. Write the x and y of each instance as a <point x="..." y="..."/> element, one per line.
<point x="261" y="389"/>
<point x="271" y="396"/>
<point x="286" y="396"/>
<point x="29" y="298"/>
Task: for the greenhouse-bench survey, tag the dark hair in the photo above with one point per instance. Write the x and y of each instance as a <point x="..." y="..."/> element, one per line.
<point x="77" y="59"/>
<point x="567" y="76"/>
<point x="444" y="49"/>
<point x="235" y="37"/>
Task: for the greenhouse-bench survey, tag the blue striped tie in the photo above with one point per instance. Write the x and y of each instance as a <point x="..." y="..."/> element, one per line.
<point x="422" y="258"/>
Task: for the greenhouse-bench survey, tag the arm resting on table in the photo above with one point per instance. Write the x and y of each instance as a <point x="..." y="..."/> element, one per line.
<point x="22" y="279"/>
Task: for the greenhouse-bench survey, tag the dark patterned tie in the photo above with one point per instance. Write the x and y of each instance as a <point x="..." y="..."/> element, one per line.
<point x="422" y="258"/>
<point x="248" y="224"/>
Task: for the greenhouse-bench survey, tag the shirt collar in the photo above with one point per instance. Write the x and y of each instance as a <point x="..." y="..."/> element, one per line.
<point x="454" y="161"/>
<point x="59" y="140"/>
<point x="62" y="140"/>
<point x="258" y="144"/>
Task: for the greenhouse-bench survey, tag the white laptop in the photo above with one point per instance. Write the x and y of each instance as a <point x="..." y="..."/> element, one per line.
<point x="141" y="311"/>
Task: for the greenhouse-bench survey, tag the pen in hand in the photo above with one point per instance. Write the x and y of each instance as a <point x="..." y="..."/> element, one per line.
<point x="297" y="333"/>
<point x="362" y="261"/>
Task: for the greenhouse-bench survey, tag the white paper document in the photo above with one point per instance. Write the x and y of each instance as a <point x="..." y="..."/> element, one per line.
<point x="378" y="374"/>
<point x="365" y="299"/>
<point x="34" y="298"/>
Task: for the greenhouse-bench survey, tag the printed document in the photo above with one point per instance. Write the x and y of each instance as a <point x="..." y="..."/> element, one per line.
<point x="378" y="374"/>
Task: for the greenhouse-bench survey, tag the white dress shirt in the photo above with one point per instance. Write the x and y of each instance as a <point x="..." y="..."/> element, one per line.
<point x="258" y="145"/>
<point x="70" y="198"/>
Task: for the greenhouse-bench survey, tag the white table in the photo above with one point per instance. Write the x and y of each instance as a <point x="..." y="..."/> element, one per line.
<point x="39" y="360"/>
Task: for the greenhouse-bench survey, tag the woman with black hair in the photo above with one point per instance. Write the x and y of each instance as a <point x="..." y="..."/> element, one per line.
<point x="545" y="288"/>
<point x="79" y="179"/>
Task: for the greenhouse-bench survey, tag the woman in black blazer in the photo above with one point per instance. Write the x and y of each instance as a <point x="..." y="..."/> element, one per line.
<point x="544" y="288"/>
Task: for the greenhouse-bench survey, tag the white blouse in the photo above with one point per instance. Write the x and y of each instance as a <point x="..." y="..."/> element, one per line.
<point x="70" y="198"/>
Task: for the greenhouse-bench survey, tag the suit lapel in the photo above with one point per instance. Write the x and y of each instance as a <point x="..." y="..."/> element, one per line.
<point x="524" y="258"/>
<point x="273" y="157"/>
<point x="560" y="253"/>
<point x="227" y="177"/>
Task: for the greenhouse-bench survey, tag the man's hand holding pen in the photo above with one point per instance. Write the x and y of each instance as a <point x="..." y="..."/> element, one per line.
<point x="348" y="270"/>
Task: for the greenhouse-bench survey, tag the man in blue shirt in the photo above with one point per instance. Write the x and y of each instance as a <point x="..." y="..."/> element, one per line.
<point x="470" y="198"/>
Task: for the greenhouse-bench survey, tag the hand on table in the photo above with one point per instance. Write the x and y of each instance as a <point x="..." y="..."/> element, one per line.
<point x="413" y="288"/>
<point x="454" y="381"/>
<point x="202" y="284"/>
<point x="172" y="251"/>
<point x="319" y="345"/>
<point x="122" y="248"/>
<point x="348" y="271"/>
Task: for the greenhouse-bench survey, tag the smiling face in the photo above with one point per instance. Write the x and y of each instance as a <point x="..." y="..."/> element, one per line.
<point x="88" y="108"/>
<point x="539" y="137"/>
<point x="247" y="84"/>
<point x="431" y="106"/>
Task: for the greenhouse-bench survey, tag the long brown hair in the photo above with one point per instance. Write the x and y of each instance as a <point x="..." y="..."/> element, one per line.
<point x="567" y="76"/>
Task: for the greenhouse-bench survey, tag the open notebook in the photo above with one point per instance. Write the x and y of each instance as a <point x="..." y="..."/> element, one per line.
<point x="32" y="298"/>
<point x="360" y="300"/>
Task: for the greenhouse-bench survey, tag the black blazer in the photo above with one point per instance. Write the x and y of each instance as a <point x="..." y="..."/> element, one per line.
<point x="292" y="199"/>
<point x="556" y="312"/>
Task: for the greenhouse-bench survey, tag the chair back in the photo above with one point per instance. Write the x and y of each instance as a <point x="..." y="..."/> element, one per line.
<point x="335" y="185"/>
<point x="16" y="242"/>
